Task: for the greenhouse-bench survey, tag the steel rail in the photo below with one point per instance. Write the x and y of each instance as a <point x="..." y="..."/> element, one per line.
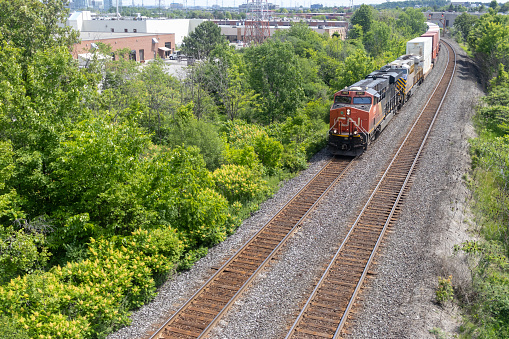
<point x="158" y="333"/>
<point x="388" y="219"/>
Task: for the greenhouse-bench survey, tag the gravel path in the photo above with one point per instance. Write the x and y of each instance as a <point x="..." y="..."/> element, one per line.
<point x="417" y="251"/>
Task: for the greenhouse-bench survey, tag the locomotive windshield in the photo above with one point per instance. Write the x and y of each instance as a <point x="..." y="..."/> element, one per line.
<point x="362" y="100"/>
<point x="342" y="100"/>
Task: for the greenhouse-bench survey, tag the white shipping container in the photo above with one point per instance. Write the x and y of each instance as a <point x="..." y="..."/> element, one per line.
<point x="422" y="47"/>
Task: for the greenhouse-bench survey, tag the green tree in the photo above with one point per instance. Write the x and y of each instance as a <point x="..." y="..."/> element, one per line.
<point x="202" y="40"/>
<point x="411" y="21"/>
<point x="489" y="38"/>
<point x="273" y="74"/>
<point x="354" y="68"/>
<point x="364" y="17"/>
<point x="377" y="39"/>
<point x="184" y="129"/>
<point x="229" y="81"/>
<point x="464" y="23"/>
<point x="356" y="32"/>
<point x="301" y="37"/>
<point x="161" y="97"/>
<point x="34" y="25"/>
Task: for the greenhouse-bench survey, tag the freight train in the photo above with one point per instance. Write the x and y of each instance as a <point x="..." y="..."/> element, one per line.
<point x="362" y="110"/>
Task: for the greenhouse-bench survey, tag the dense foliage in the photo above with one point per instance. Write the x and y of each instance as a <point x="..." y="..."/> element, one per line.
<point x="114" y="176"/>
<point x="488" y="40"/>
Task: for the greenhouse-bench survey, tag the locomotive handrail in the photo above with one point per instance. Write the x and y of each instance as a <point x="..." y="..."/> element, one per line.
<point x="359" y="126"/>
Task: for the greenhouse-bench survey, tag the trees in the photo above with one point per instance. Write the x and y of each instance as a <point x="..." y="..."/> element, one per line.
<point x="228" y="81"/>
<point x="203" y="40"/>
<point x="355" y="67"/>
<point x="411" y="21"/>
<point x="377" y="39"/>
<point x="489" y="38"/>
<point x="464" y="23"/>
<point x="43" y="31"/>
<point x="274" y="76"/>
<point x="364" y="17"/>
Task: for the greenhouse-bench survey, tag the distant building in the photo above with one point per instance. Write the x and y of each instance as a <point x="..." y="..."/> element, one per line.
<point x="316" y="6"/>
<point x="235" y="31"/>
<point x="82" y="21"/>
<point x="142" y="46"/>
<point x="176" y="5"/>
<point x="447" y="18"/>
<point x="79" y="4"/>
<point x="112" y="3"/>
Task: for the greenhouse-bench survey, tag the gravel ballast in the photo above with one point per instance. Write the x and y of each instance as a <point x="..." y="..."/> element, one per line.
<point x="398" y="302"/>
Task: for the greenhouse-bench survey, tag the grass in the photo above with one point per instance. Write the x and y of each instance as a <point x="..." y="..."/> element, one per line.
<point x="466" y="49"/>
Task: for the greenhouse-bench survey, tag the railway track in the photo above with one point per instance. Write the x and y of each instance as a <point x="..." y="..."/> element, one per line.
<point x="204" y="309"/>
<point x="326" y="311"/>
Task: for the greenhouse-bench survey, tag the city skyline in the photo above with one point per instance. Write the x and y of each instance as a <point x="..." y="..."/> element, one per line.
<point x="236" y="3"/>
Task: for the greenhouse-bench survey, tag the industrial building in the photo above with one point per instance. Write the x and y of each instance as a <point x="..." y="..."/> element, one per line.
<point x="148" y="38"/>
<point x="85" y="22"/>
<point x="445" y="19"/>
<point x="142" y="46"/>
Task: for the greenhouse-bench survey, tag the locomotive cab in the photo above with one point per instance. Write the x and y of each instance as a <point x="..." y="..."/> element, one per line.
<point x="353" y="119"/>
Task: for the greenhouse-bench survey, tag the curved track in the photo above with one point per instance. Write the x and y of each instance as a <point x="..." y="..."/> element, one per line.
<point x="200" y="313"/>
<point x="326" y="311"/>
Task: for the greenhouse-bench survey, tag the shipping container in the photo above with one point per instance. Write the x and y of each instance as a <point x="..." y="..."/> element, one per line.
<point x="424" y="48"/>
<point x="435" y="43"/>
<point x="435" y="28"/>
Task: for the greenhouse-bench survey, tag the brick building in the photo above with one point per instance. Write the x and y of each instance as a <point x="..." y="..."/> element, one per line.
<point x="143" y="46"/>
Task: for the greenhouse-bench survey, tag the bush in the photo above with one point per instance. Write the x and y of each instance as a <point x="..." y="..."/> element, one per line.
<point x="444" y="291"/>
<point x="239" y="183"/>
<point x="91" y="298"/>
<point x="20" y="253"/>
<point x="241" y="135"/>
<point x="294" y="158"/>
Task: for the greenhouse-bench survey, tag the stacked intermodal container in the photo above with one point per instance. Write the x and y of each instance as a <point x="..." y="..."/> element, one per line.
<point x="434" y="35"/>
<point x="422" y="46"/>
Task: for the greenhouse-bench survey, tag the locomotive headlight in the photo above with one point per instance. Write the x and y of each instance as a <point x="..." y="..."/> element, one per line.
<point x="348" y="111"/>
<point x="355" y="132"/>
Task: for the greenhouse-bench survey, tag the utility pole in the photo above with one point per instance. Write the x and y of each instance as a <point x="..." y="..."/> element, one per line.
<point x="257" y="24"/>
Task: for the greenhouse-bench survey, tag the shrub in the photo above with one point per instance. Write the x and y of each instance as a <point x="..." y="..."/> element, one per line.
<point x="239" y="183"/>
<point x="269" y="151"/>
<point x="241" y="135"/>
<point x="20" y="253"/>
<point x="444" y="291"/>
<point x="91" y="298"/>
<point x="294" y="158"/>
